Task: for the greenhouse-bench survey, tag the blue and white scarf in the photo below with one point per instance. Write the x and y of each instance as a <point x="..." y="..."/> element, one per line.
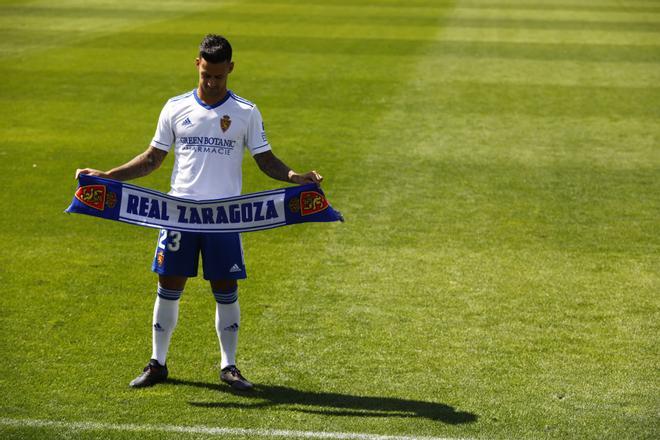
<point x="114" y="200"/>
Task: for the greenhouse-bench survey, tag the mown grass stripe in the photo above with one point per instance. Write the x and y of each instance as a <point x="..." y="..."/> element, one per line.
<point x="38" y="27"/>
<point x="509" y="35"/>
<point x="327" y="19"/>
<point x="422" y="5"/>
<point x="181" y="40"/>
<point x="459" y="97"/>
<point x="205" y="430"/>
<point x="565" y="6"/>
<point x="526" y="23"/>
<point x="440" y="70"/>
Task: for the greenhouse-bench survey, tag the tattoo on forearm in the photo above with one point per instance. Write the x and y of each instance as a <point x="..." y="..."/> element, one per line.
<point x="139" y="166"/>
<point x="273" y="167"/>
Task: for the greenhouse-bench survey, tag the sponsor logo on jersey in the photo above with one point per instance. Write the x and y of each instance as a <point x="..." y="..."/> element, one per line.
<point x="92" y="196"/>
<point x="204" y="144"/>
<point x="186" y="122"/>
<point x="312" y="202"/>
<point x="203" y="141"/>
<point x="225" y="122"/>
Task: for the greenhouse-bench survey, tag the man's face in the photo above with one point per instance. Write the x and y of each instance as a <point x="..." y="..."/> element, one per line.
<point x="213" y="77"/>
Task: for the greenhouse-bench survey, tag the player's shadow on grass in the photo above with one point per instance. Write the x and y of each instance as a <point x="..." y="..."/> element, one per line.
<point x="333" y="404"/>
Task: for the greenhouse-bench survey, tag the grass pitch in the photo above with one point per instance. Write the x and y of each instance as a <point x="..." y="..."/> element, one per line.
<point x="498" y="164"/>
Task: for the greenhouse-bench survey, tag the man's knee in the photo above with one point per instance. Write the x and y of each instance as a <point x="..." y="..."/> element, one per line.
<point x="172" y="282"/>
<point x="225" y="291"/>
<point x="224" y="285"/>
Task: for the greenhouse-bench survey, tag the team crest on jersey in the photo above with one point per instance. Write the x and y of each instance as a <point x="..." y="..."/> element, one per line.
<point x="92" y="196"/>
<point x="225" y="122"/>
<point x="312" y="202"/>
<point x="160" y="258"/>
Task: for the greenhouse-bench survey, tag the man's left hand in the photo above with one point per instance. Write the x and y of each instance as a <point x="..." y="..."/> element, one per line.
<point x="302" y="179"/>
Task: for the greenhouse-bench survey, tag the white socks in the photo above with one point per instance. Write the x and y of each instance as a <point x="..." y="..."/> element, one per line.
<point x="166" y="313"/>
<point x="227" y="322"/>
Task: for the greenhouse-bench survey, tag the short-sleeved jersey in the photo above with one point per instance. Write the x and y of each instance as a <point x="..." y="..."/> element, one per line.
<point x="208" y="143"/>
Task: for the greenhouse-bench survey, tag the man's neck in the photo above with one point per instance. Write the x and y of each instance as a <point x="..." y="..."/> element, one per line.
<point x="211" y="100"/>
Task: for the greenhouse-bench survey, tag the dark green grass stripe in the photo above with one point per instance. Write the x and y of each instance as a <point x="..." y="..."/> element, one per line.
<point x="529" y="99"/>
<point x="546" y="205"/>
<point x="390" y="46"/>
<point x="564" y="6"/>
<point x="582" y="25"/>
<point x="423" y="19"/>
<point x="343" y="94"/>
<point x="246" y="15"/>
<point x="458" y="97"/>
<point x="560" y="6"/>
<point x="438" y="5"/>
<point x="547" y="51"/>
<point x="86" y="12"/>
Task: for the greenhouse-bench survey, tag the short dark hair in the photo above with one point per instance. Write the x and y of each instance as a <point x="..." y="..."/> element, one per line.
<point x="215" y="49"/>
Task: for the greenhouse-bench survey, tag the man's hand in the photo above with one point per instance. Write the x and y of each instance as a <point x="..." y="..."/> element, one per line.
<point x="302" y="179"/>
<point x="91" y="172"/>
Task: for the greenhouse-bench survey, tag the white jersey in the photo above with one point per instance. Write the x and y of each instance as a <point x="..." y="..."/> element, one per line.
<point x="208" y="143"/>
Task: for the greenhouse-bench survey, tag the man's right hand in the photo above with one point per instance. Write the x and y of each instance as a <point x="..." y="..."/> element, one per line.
<point x="91" y="172"/>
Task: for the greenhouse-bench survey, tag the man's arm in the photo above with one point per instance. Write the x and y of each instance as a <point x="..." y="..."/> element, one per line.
<point x="139" y="166"/>
<point x="275" y="168"/>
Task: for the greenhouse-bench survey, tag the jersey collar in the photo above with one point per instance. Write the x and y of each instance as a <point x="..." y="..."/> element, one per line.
<point x="211" y="107"/>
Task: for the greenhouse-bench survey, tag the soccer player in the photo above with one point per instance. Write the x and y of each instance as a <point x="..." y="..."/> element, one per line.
<point x="207" y="128"/>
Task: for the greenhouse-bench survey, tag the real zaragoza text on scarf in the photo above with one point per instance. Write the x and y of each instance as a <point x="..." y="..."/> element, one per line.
<point x="114" y="200"/>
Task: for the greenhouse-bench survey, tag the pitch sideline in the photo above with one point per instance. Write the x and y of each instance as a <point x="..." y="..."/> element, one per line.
<point x="96" y="426"/>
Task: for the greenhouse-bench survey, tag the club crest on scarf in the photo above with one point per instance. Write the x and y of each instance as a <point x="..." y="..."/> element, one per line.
<point x="225" y="122"/>
<point x="92" y="196"/>
<point x="96" y="196"/>
<point x="312" y="202"/>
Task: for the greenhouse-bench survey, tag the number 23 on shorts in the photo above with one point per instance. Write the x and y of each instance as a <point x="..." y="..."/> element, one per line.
<point x="174" y="241"/>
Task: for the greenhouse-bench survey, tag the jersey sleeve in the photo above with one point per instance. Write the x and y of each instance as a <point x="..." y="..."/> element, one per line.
<point x="164" y="137"/>
<point x="256" y="140"/>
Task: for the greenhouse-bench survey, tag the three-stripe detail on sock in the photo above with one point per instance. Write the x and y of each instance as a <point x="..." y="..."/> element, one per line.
<point x="226" y="297"/>
<point x="170" y="294"/>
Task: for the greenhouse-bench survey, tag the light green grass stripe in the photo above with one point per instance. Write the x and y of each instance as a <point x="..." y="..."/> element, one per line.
<point x="541" y="36"/>
<point x="536" y="23"/>
<point x="558" y="15"/>
<point x="328" y="14"/>
<point x="597" y="4"/>
<point x="44" y="26"/>
<point x="438" y="69"/>
<point x="205" y="430"/>
<point x="274" y="46"/>
<point x="371" y="31"/>
<point x="498" y="71"/>
<point x="93" y="7"/>
<point x="434" y="7"/>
